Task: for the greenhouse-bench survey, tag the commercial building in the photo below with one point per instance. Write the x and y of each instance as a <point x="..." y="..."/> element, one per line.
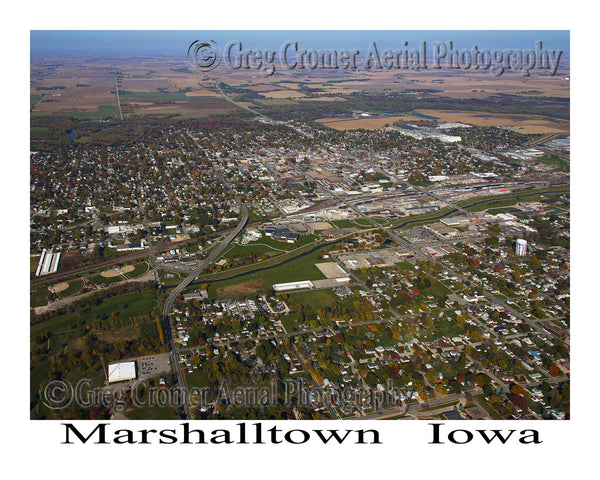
<point x="201" y="295"/>
<point x="280" y="287"/>
<point x="119" y="372"/>
<point x="281" y="234"/>
<point x="48" y="263"/>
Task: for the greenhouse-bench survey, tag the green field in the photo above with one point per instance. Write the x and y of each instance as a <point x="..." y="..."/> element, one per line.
<point x="39" y="296"/>
<point x="171" y="281"/>
<point x="494" y="204"/>
<point x="313" y="300"/>
<point x="151" y="412"/>
<point x="100" y="279"/>
<point x="416" y="220"/>
<point x="271" y="263"/>
<point x="104" y="111"/>
<point x="198" y="378"/>
<point x="302" y="268"/>
<point x="130" y="304"/>
<point x="363" y="222"/>
<point x="343" y="223"/>
<point x="290" y="322"/>
<point x="259" y="248"/>
<point x="139" y="270"/>
<point x="437" y="289"/>
<point x="74" y="287"/>
<point x="34" y="98"/>
<point x="154" y="96"/>
<point x="559" y="162"/>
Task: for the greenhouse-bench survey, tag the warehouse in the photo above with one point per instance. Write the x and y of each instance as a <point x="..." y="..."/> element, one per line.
<point x="281" y="234"/>
<point x="118" y="372"/>
<point x="280" y="287"/>
<point x="48" y="263"/>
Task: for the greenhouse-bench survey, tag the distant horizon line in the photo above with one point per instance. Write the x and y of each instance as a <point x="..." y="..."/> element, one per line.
<point x="156" y="41"/>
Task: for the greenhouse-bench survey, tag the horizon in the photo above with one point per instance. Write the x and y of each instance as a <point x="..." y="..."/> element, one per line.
<point x="73" y="42"/>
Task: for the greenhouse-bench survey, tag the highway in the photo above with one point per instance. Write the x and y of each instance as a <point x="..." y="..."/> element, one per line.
<point x="180" y="288"/>
<point x="183" y="285"/>
<point x="117" y="92"/>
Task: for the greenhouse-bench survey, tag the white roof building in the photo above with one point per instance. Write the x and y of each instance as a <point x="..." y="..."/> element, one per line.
<point x="280" y="287"/>
<point x="118" y="372"/>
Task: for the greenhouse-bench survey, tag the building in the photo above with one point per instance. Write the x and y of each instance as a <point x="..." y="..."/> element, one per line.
<point x="201" y="295"/>
<point x="48" y="263"/>
<point x="119" y="372"/>
<point x="521" y="249"/>
<point x="281" y="234"/>
<point x="281" y="287"/>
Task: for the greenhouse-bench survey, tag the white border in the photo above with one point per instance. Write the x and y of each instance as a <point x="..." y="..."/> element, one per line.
<point x="567" y="445"/>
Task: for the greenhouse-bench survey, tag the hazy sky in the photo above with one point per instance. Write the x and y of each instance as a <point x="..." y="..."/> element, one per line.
<point x="168" y="41"/>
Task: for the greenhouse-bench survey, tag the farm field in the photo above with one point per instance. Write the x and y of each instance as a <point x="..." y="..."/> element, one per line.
<point x="171" y="86"/>
<point x="523" y="124"/>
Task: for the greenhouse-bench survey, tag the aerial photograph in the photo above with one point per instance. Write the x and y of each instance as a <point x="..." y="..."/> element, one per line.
<point x="299" y="225"/>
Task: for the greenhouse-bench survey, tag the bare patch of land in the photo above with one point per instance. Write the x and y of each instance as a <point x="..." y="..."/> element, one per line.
<point x="60" y="287"/>
<point x="521" y="123"/>
<point x="241" y="289"/>
<point x="110" y="273"/>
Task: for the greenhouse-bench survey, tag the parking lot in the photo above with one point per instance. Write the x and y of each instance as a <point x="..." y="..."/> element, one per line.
<point x="152" y="365"/>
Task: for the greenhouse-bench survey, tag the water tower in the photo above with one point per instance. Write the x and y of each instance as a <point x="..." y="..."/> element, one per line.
<point x="521" y="249"/>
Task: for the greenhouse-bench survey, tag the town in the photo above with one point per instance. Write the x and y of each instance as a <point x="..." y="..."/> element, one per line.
<point x="366" y="263"/>
<point x="325" y="261"/>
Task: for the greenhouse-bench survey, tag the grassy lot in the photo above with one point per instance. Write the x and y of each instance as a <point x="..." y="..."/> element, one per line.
<point x="74" y="287"/>
<point x="152" y="413"/>
<point x="104" y="111"/>
<point x="312" y="300"/>
<point x="437" y="289"/>
<point x="302" y="268"/>
<point x="33" y="99"/>
<point x="363" y="222"/>
<point x="290" y="322"/>
<point x="406" y="265"/>
<point x="495" y="204"/>
<point x="563" y="164"/>
<point x="483" y="402"/>
<point x="415" y="220"/>
<point x="380" y="220"/>
<point x="138" y="270"/>
<point x="198" y="378"/>
<point x="259" y="248"/>
<point x="39" y="296"/>
<point x="126" y="306"/>
<point x="496" y="211"/>
<point x="100" y="279"/>
<point x="268" y="264"/>
<point x="343" y="223"/>
<point x="276" y="245"/>
<point x="169" y="281"/>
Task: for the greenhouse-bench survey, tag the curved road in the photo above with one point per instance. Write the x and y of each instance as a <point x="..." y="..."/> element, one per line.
<point x="175" y="293"/>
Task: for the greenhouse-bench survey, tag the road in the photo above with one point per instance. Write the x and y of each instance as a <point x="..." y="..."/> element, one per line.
<point x="117" y="92"/>
<point x="183" y="285"/>
<point x="180" y="288"/>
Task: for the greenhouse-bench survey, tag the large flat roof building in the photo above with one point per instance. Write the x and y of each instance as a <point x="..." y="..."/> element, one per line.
<point x="118" y="372"/>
